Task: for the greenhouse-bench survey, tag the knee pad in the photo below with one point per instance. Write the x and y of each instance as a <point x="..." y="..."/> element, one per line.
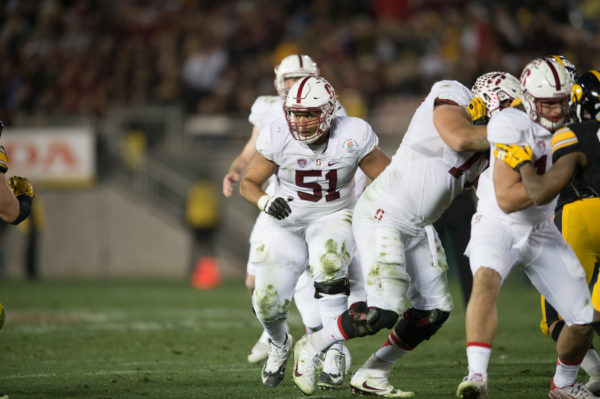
<point x="341" y="286"/>
<point x="419" y="325"/>
<point x="360" y="320"/>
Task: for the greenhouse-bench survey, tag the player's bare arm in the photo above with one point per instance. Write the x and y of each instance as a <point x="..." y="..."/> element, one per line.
<point x="240" y="163"/>
<point x="544" y="188"/>
<point x="374" y="163"/>
<point x="9" y="205"/>
<point x="258" y="171"/>
<point x="510" y="190"/>
<point x="456" y="129"/>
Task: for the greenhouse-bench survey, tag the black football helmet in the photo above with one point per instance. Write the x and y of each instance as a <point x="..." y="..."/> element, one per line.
<point x="585" y="97"/>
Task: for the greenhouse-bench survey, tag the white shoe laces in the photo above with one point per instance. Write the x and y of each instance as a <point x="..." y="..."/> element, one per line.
<point x="276" y="357"/>
<point x="334" y="363"/>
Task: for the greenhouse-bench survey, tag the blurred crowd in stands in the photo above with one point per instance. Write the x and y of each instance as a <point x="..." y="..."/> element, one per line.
<point x="215" y="56"/>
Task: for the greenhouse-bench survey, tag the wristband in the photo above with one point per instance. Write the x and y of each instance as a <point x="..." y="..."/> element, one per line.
<point x="24" y="208"/>
<point x="262" y="202"/>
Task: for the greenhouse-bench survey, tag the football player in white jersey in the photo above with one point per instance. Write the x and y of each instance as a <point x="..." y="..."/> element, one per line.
<point x="442" y="152"/>
<point x="264" y="111"/>
<point x="307" y="219"/>
<point x="575" y="173"/>
<point x="496" y="90"/>
<point x="508" y="230"/>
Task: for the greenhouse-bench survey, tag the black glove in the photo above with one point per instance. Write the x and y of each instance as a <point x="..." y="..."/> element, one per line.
<point x="275" y="206"/>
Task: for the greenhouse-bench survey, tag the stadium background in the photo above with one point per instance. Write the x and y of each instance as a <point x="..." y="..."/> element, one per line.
<point x="126" y="114"/>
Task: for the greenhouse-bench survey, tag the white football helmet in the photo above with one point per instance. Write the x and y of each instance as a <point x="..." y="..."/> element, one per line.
<point x="310" y="95"/>
<point x="544" y="80"/>
<point x="293" y="66"/>
<point x="497" y="90"/>
<point x="568" y="65"/>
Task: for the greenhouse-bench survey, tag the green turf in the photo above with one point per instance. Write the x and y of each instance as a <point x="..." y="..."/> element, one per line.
<point x="125" y="340"/>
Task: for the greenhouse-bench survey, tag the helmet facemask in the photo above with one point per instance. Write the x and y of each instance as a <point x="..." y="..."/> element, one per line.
<point x="497" y="90"/>
<point x="310" y="109"/>
<point x="545" y="111"/>
<point x="545" y="81"/>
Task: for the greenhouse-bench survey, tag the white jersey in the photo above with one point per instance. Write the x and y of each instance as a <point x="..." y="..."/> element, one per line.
<point x="512" y="126"/>
<point x="426" y="174"/>
<point x="266" y="110"/>
<point x="319" y="183"/>
<point x="269" y="109"/>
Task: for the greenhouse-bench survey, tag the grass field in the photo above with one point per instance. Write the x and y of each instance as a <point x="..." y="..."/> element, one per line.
<point x="125" y="340"/>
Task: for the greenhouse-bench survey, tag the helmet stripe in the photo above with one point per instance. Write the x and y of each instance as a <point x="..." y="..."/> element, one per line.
<point x="596" y="74"/>
<point x="554" y="73"/>
<point x="300" y="61"/>
<point x="300" y="88"/>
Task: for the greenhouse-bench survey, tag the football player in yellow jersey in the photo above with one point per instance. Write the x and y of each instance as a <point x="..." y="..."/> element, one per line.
<point x="576" y="175"/>
<point x="15" y="204"/>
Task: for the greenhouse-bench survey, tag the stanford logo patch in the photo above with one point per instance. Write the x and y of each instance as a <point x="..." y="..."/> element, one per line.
<point x="541" y="146"/>
<point x="302" y="163"/>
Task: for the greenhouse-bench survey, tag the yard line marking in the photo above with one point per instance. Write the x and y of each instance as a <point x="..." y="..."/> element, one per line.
<point x="209" y="368"/>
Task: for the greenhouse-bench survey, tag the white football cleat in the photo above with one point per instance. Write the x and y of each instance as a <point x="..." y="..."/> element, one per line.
<point x="334" y="370"/>
<point x="259" y="352"/>
<point x="593" y="384"/>
<point x="274" y="369"/>
<point x="574" y="391"/>
<point x="306" y="360"/>
<point x="474" y="387"/>
<point x="370" y="380"/>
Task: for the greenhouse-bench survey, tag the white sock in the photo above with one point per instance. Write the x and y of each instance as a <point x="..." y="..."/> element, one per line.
<point x="478" y="356"/>
<point x="331" y="307"/>
<point x="566" y="373"/>
<point x="264" y="337"/>
<point x="591" y="363"/>
<point x="390" y="351"/>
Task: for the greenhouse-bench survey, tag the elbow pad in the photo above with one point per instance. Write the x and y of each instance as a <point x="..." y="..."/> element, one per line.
<point x="24" y="208"/>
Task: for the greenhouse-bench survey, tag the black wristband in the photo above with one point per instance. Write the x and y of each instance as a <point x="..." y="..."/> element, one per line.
<point x="24" y="208"/>
<point x="483" y="121"/>
<point x="521" y="164"/>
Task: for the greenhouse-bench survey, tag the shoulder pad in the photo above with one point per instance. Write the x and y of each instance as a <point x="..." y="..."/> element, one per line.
<point x="451" y="90"/>
<point x="563" y="141"/>
<point x="508" y="127"/>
